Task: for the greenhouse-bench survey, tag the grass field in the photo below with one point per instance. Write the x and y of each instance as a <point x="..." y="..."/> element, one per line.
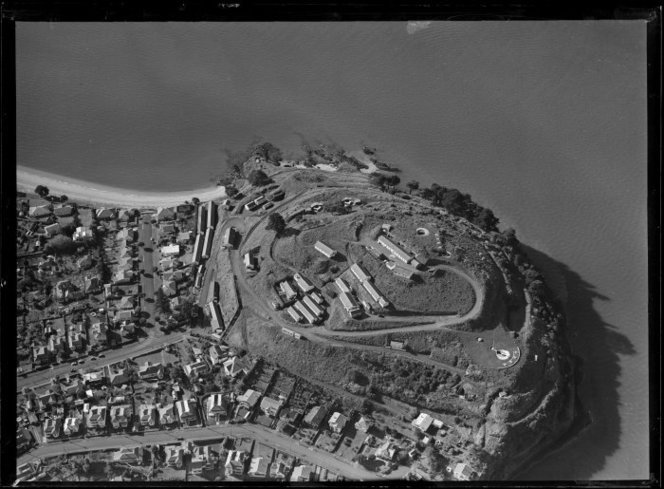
<point x="444" y="293"/>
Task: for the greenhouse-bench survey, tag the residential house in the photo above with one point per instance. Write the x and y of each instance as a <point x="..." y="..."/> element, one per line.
<point x="462" y="472"/>
<point x="52" y="229"/>
<point x="170" y="250"/>
<point x="52" y="427"/>
<point x="151" y="371"/>
<point x="216" y="408"/>
<point x="41" y="354"/>
<point x="235" y="463"/>
<point x="315" y="416"/>
<point x="259" y="467"/>
<point x="422" y="422"/>
<point x="166" y="415"/>
<point x="195" y="369"/>
<point x="63" y="211"/>
<point x="73" y="425"/>
<point x="174" y="456"/>
<point x="386" y="451"/>
<point x="126" y="235"/>
<point x="123" y="315"/>
<point x="187" y="410"/>
<point x="127" y="302"/>
<point x="249" y="399"/>
<point x="234" y="366"/>
<point x="301" y="473"/>
<point x="176" y="303"/>
<point x="93" y="285"/>
<point x="40" y="211"/>
<point x="270" y="406"/>
<point x="85" y="262"/>
<point x="56" y="344"/>
<point x="147" y="414"/>
<point x="364" y="424"/>
<point x="121" y="416"/>
<point x="82" y="233"/>
<point x="104" y="214"/>
<point x="165" y="214"/>
<point x="131" y="456"/>
<point x="201" y="459"/>
<point x="279" y="470"/>
<point x="168" y="229"/>
<point x="122" y="277"/>
<point x="94" y="379"/>
<point x="170" y="288"/>
<point x="184" y="238"/>
<point x="218" y="353"/>
<point x="99" y="332"/>
<point x="337" y="422"/>
<point x="117" y="375"/>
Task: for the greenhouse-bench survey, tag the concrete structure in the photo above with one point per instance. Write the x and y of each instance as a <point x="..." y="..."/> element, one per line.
<point x="394" y="249"/>
<point x="325" y="250"/>
<point x="350" y="304"/>
<point x="201" y="219"/>
<point x="207" y="243"/>
<point x="375" y="295"/>
<point x="166" y="414"/>
<point x="228" y="239"/>
<point x="297" y="317"/>
<point x="216" y="319"/>
<point x="359" y="273"/>
<point x="250" y="261"/>
<point x="302" y="309"/>
<point x="312" y="306"/>
<point x="211" y="215"/>
<point x="342" y="285"/>
<point x="287" y="290"/>
<point x="303" y="284"/>
<point x="198" y="250"/>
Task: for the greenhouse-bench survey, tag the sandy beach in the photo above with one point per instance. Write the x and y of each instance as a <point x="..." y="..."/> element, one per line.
<point x="93" y="193"/>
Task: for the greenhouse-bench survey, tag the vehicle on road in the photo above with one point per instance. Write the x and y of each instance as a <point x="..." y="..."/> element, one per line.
<point x="73" y="370"/>
<point x="102" y="355"/>
<point x="74" y="363"/>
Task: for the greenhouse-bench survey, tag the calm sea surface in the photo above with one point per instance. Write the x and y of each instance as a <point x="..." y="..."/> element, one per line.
<point x="544" y="123"/>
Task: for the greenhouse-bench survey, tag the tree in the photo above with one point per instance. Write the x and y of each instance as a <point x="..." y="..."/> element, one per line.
<point x="413" y="185"/>
<point x="433" y="460"/>
<point x="64" y="198"/>
<point x="269" y="152"/>
<point x="195" y="201"/>
<point x="231" y="191"/>
<point x="258" y="178"/>
<point x="42" y="191"/>
<point x="486" y="220"/>
<point x="60" y="244"/>
<point x="335" y="207"/>
<point x="378" y="179"/>
<point x="276" y="222"/>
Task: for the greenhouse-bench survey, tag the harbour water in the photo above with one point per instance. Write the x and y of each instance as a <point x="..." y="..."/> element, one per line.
<point x="545" y="123"/>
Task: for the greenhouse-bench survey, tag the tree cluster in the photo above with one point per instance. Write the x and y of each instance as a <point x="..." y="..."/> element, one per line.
<point x="258" y="178"/>
<point x="384" y="181"/>
<point x="276" y="223"/>
<point x="461" y="205"/>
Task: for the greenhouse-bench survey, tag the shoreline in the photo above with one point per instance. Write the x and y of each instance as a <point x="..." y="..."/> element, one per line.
<point x="99" y="194"/>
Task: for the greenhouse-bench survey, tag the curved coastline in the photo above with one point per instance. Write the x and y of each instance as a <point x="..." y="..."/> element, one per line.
<point x="94" y="193"/>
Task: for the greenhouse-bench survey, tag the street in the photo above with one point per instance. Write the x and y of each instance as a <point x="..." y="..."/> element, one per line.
<point x="271" y="438"/>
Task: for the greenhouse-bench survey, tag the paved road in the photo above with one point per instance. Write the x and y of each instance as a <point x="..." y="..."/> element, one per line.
<point x="259" y="433"/>
<point x="130" y="351"/>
